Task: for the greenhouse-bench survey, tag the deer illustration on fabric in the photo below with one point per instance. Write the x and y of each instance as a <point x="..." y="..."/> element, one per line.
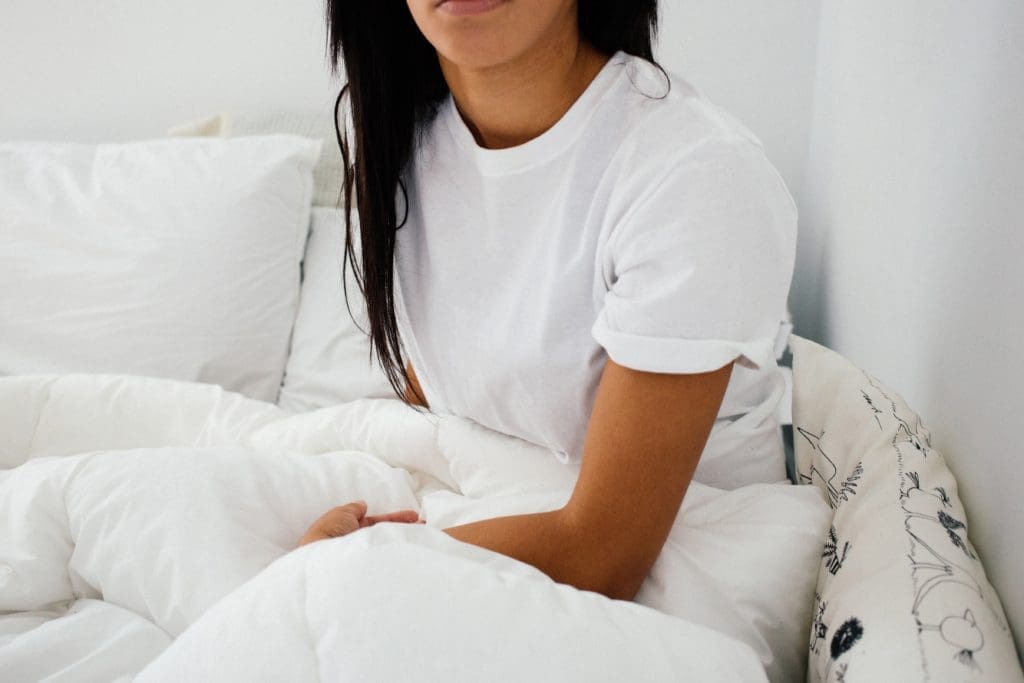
<point x="912" y="431"/>
<point x="824" y="472"/>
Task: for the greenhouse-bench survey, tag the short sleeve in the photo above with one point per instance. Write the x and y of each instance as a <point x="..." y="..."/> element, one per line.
<point x="698" y="270"/>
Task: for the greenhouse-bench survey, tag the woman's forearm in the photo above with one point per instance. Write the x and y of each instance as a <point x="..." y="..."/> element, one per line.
<point x="646" y="435"/>
<point x="562" y="548"/>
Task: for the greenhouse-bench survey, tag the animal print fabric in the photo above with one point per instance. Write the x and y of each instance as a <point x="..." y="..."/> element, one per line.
<point x="901" y="594"/>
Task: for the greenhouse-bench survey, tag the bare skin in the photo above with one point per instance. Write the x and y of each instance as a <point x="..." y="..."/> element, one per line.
<point x="344" y="519"/>
<point x="646" y="430"/>
<point x="644" y="439"/>
<point x="414" y="392"/>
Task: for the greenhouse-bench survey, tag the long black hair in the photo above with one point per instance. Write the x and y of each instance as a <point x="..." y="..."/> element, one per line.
<point x="395" y="86"/>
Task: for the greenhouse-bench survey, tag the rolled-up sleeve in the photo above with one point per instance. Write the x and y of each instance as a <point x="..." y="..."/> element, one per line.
<point x="697" y="272"/>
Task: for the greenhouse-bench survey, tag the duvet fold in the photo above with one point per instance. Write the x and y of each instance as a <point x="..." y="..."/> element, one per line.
<point x="148" y="531"/>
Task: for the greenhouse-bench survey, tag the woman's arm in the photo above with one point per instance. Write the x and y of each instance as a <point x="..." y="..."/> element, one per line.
<point x="645" y="436"/>
<point x="644" y="439"/>
<point x="413" y="392"/>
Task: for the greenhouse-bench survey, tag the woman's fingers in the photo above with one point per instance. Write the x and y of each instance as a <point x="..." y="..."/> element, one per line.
<point x="344" y="519"/>
<point x="357" y="508"/>
<point x="404" y="516"/>
<point x="338" y="521"/>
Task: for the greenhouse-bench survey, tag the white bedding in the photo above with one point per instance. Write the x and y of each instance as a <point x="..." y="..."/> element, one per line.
<point x="146" y="527"/>
<point x="165" y="258"/>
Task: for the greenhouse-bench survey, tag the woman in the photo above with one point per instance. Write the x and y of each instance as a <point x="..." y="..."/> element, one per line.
<point x="565" y="244"/>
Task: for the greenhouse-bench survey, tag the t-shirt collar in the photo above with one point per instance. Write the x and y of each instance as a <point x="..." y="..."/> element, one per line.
<point x="548" y="144"/>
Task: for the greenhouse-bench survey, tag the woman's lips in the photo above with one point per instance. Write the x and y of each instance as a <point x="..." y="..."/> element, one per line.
<point x="465" y="8"/>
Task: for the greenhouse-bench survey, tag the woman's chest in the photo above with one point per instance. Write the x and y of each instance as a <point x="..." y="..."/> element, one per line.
<point x="500" y="286"/>
<point x="503" y="262"/>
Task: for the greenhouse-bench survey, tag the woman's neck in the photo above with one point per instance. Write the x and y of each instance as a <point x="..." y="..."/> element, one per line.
<point x="511" y="103"/>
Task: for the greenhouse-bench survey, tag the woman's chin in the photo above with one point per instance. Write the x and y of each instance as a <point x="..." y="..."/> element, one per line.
<point x="476" y="49"/>
<point x="482" y="34"/>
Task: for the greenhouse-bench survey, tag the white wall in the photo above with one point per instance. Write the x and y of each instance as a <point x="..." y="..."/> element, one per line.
<point x="754" y="59"/>
<point x="122" y="69"/>
<point x="914" y="213"/>
<point x="114" y="70"/>
<point x="93" y="70"/>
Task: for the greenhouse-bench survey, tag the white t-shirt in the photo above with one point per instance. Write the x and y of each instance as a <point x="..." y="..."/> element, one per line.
<point x="643" y="226"/>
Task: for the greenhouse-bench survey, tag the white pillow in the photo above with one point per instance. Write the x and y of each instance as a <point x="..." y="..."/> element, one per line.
<point x="168" y="258"/>
<point x="329" y="361"/>
<point x="328" y="174"/>
<point x="330" y="358"/>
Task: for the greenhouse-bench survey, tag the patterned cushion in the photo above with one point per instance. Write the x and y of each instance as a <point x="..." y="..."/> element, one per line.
<point x="902" y="594"/>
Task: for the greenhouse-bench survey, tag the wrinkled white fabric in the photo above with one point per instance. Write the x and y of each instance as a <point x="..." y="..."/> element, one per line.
<point x="329" y="361"/>
<point x="131" y="506"/>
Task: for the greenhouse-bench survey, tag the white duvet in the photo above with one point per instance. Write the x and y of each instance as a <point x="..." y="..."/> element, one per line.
<point x="147" y="532"/>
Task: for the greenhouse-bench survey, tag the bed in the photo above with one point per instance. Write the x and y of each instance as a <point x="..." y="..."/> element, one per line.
<point x="183" y="392"/>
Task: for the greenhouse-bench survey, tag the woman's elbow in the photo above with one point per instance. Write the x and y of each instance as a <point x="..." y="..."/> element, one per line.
<point x="617" y="574"/>
<point x="598" y="561"/>
<point x="624" y="586"/>
<point x="607" y="584"/>
<point x="613" y="568"/>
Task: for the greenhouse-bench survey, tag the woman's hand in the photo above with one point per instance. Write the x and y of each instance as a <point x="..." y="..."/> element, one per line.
<point x="345" y="519"/>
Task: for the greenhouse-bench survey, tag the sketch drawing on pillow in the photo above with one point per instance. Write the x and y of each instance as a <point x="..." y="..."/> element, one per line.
<point x="819" y="629"/>
<point x="937" y="537"/>
<point x="935" y="533"/>
<point x="845" y="637"/>
<point x="833" y="553"/>
<point x="920" y="504"/>
<point x="902" y="594"/>
<point x="846" y="489"/>
<point x="843" y="640"/>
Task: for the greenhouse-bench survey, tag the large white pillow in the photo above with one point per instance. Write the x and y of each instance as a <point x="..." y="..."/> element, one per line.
<point x="317" y="124"/>
<point x="330" y="359"/>
<point x="168" y="258"/>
